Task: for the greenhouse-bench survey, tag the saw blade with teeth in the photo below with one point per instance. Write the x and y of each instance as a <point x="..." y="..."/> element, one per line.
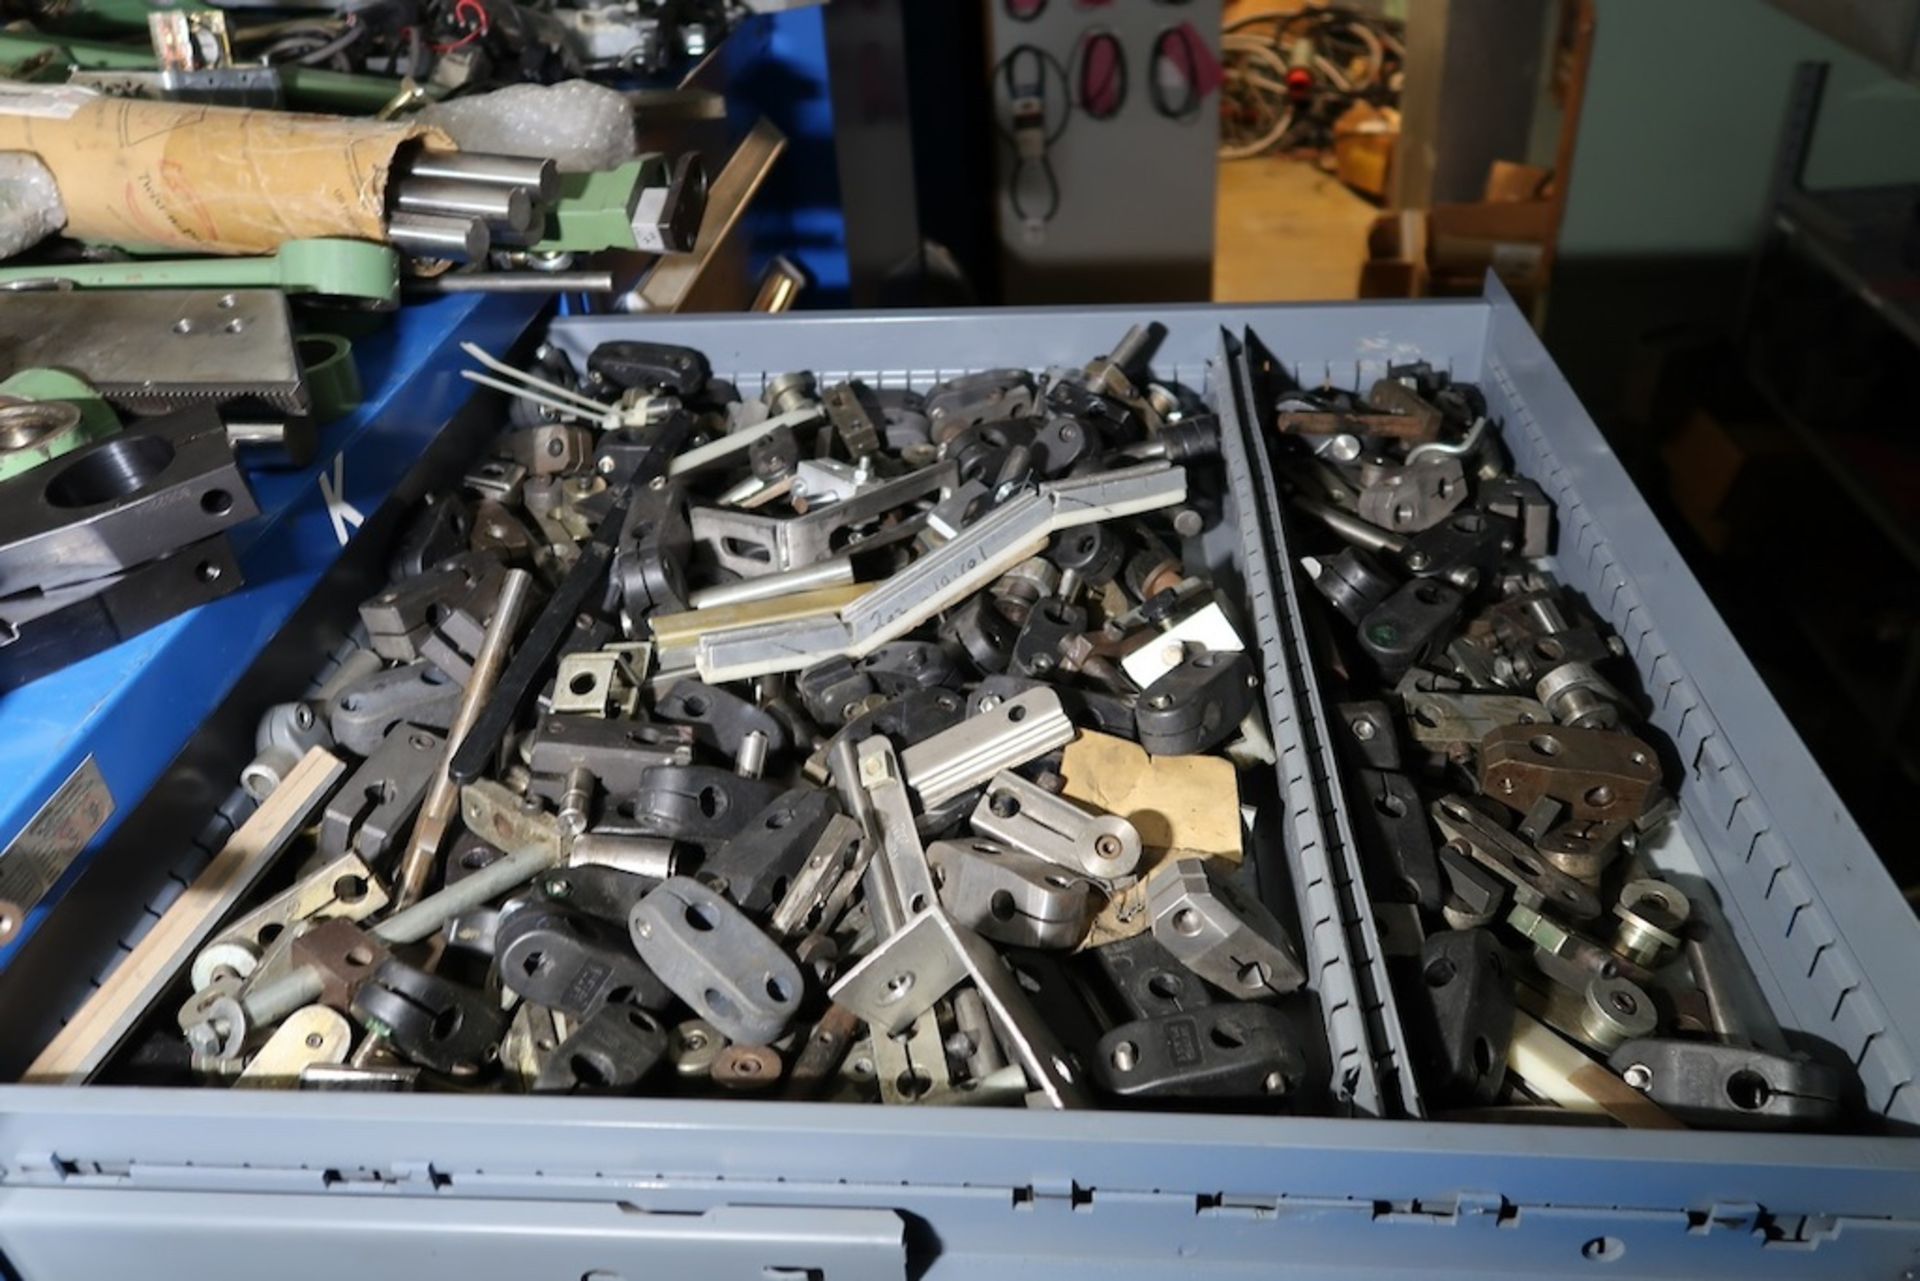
<point x="154" y="350"/>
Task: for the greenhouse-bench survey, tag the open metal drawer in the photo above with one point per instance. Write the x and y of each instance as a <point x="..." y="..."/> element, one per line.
<point x="221" y="1183"/>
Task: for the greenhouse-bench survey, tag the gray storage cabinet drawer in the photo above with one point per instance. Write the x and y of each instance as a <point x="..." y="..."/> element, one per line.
<point x="209" y="1184"/>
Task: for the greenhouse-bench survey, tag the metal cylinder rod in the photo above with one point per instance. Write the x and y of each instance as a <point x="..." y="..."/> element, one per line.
<point x="511" y="207"/>
<point x="648" y="856"/>
<point x="537" y="174"/>
<point x="1351" y="527"/>
<point x="513" y="282"/>
<point x="1132" y="345"/>
<point x="983" y="1047"/>
<point x="449" y="237"/>
<point x="752" y="759"/>
<point x="444" y="795"/>
<point x="256" y="433"/>
<point x="273" y="442"/>
<point x="412" y="924"/>
<point x="826" y="573"/>
<point x="576" y="801"/>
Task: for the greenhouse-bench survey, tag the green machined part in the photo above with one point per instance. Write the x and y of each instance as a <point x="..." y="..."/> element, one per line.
<point x="307" y="88"/>
<point x="18" y="48"/>
<point x="45" y="413"/>
<point x="333" y="379"/>
<point x="595" y="211"/>
<point x="317" y="89"/>
<point x="112" y="17"/>
<point x="336" y="268"/>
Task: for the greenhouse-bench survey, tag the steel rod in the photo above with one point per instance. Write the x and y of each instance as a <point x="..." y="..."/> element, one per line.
<point x="436" y="812"/>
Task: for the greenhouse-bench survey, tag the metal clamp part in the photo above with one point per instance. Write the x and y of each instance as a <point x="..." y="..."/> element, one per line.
<point x="716" y="960"/>
<point x="1011" y="733"/>
<point x="1035" y="821"/>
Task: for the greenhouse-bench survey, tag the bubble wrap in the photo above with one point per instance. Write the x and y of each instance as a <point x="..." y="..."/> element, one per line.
<point x="581" y="125"/>
<point x="30" y="208"/>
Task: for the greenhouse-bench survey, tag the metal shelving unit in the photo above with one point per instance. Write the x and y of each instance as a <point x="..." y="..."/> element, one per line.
<point x="1885" y="31"/>
<point x="1866" y="242"/>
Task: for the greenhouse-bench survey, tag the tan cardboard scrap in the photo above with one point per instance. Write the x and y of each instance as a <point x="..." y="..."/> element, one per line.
<point x="211" y="179"/>
<point x="1182" y="806"/>
<point x="1188" y="803"/>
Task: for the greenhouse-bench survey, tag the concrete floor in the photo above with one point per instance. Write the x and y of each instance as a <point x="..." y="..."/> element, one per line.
<point x="1286" y="232"/>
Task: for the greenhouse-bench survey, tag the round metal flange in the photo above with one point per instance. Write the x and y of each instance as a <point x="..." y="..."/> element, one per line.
<point x="333" y="380"/>
<point x="747" y="1067"/>
<point x="1651" y="915"/>
<point x="35" y="431"/>
<point x="1614" y="1011"/>
<point x="696" y="1044"/>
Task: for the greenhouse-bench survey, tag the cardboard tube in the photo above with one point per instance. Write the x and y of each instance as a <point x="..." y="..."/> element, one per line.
<point x="200" y="179"/>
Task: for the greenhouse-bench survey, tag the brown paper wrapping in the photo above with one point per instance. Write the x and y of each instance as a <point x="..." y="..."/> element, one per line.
<point x="1182" y="806"/>
<point x="212" y="179"/>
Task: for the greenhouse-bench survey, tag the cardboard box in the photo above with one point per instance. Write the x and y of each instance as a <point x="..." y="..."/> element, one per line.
<point x="1709" y="460"/>
<point x="1365" y="138"/>
<point x="1509" y="183"/>
<point x="1448" y="249"/>
<point x="1465" y="240"/>
<point x="1396" y="264"/>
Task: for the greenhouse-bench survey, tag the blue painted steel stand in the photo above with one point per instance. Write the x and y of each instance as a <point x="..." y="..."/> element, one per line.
<point x="133" y="707"/>
<point x="777" y="68"/>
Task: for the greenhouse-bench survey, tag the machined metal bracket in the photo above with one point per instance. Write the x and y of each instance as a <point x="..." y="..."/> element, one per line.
<point x="345" y="888"/>
<point x="373" y="807"/>
<point x="751" y="545"/>
<point x="833" y="855"/>
<point x="507" y="821"/>
<point x="1009" y="896"/>
<point x="120" y="502"/>
<point x="601" y="682"/>
<point x="1225" y="936"/>
<point x="980" y="553"/>
<point x="1731" y="1085"/>
<point x="615" y="752"/>
<point x="1205" y="628"/>
<point x="1599" y="775"/>
<point x="716" y="960"/>
<point x="1440" y="718"/>
<point x="1535" y="881"/>
<point x="1009" y="734"/>
<point x="898" y="881"/>
<point x="361" y="713"/>
<point x="1033" y="820"/>
<point x="927" y="958"/>
<point x="313" y="1035"/>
